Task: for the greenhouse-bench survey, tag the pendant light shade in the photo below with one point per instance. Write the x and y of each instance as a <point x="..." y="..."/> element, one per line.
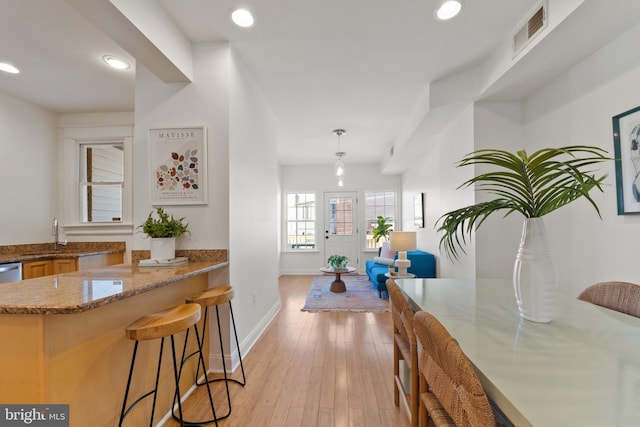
<point x="339" y="166"/>
<point x="340" y="163"/>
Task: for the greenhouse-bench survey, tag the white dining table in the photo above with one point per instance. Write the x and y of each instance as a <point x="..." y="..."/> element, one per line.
<point x="581" y="369"/>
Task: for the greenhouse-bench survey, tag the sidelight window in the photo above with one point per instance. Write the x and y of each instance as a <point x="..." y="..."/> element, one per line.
<point x="301" y="221"/>
<point x="378" y="203"/>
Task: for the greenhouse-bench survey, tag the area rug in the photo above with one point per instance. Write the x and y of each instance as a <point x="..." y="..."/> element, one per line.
<point x="360" y="296"/>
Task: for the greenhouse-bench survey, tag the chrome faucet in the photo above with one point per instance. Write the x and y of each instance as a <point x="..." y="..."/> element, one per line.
<point x="54" y="232"/>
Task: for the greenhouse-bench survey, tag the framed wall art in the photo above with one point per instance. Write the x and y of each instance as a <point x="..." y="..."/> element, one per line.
<point x="626" y="142"/>
<point x="418" y="210"/>
<point x="178" y="166"/>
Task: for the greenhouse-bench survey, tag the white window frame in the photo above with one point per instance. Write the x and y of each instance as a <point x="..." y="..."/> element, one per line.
<point x="286" y="223"/>
<point x="71" y="202"/>
<point x="99" y="185"/>
<point x="394" y="209"/>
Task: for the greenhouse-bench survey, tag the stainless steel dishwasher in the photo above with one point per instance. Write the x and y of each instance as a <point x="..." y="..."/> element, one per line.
<point x="10" y="272"/>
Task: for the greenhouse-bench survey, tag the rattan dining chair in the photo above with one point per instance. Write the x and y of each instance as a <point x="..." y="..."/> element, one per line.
<point x="619" y="296"/>
<point x="404" y="348"/>
<point x="450" y="392"/>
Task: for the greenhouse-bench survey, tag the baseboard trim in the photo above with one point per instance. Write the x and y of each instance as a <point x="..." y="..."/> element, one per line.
<point x="233" y="359"/>
<point x="247" y="344"/>
<point x="311" y="272"/>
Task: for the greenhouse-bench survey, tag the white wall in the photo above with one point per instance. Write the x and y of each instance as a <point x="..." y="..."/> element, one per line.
<point x="253" y="203"/>
<point x="438" y="177"/>
<point x="321" y="179"/>
<point x="86" y="127"/>
<point x="424" y="178"/>
<point x="577" y="108"/>
<point x="497" y="125"/>
<point x="242" y="174"/>
<point x="204" y="102"/>
<point x="28" y="171"/>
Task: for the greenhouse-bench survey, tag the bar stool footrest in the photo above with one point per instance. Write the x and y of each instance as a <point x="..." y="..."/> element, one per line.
<point x="133" y="405"/>
<point x="221" y="379"/>
<point x="200" y="423"/>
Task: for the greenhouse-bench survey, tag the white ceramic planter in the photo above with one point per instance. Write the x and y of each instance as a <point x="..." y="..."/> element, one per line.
<point x="534" y="275"/>
<point x="163" y="248"/>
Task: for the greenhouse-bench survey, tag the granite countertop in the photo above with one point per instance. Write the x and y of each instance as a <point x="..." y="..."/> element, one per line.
<point x="35" y="251"/>
<point x="80" y="291"/>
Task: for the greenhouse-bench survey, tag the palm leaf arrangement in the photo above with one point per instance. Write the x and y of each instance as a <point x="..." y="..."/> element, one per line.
<point x="533" y="185"/>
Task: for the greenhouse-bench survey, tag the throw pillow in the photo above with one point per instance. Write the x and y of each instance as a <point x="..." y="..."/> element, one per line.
<point x="384" y="261"/>
<point x="386" y="251"/>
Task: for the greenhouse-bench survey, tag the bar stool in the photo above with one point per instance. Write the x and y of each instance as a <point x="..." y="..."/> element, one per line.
<point x="216" y="297"/>
<point x="162" y="324"/>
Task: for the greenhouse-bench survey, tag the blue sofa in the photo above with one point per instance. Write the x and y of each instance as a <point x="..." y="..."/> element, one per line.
<point x="423" y="264"/>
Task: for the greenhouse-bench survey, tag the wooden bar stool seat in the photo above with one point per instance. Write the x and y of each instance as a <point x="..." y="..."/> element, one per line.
<point x="215" y="297"/>
<point x="211" y="297"/>
<point x="164" y="323"/>
<point x="159" y="325"/>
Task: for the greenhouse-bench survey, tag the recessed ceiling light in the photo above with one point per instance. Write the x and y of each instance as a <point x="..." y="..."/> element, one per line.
<point x="116" y="62"/>
<point x="8" y="68"/>
<point x="242" y="18"/>
<point x="448" y="9"/>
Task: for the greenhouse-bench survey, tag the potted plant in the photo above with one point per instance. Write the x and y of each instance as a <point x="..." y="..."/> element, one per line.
<point x="382" y="229"/>
<point x="163" y="229"/>
<point x="533" y="185"/>
<point x="337" y="262"/>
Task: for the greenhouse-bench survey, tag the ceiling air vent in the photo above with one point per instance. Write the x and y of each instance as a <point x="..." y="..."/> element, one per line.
<point x="536" y="22"/>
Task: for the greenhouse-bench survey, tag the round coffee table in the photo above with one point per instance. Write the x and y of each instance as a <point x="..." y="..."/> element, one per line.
<point x="338" y="285"/>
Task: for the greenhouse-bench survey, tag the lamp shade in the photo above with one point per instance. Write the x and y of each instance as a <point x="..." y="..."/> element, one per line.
<point x="403" y="241"/>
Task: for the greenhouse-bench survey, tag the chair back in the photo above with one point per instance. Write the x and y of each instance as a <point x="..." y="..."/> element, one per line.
<point x="401" y="312"/>
<point x="449" y="374"/>
<point x="619" y="296"/>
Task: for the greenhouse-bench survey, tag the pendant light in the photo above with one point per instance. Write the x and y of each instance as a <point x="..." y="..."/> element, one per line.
<point x="340" y="154"/>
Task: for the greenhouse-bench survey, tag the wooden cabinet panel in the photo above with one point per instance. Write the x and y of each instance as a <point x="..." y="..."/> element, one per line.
<point x="47" y="267"/>
<point x="38" y="268"/>
<point x="67" y="265"/>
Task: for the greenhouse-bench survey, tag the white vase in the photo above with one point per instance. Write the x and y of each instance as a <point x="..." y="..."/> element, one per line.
<point x="534" y="275"/>
<point x="163" y="248"/>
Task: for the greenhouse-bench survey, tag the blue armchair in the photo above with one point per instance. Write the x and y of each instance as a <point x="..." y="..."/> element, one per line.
<point x="423" y="264"/>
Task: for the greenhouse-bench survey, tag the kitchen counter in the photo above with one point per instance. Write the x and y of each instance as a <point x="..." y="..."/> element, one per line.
<point x="84" y="290"/>
<point x="35" y="251"/>
<point x="64" y="336"/>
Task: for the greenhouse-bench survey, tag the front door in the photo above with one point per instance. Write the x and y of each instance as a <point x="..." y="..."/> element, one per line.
<point x="340" y="231"/>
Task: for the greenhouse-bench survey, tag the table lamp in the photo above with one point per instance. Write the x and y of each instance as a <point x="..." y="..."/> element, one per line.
<point x="401" y="242"/>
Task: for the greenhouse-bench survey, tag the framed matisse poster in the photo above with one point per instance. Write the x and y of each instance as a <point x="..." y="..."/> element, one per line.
<point x="178" y="166"/>
<point x="626" y="141"/>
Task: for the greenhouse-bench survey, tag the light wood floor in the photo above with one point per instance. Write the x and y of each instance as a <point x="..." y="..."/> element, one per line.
<point x="313" y="369"/>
